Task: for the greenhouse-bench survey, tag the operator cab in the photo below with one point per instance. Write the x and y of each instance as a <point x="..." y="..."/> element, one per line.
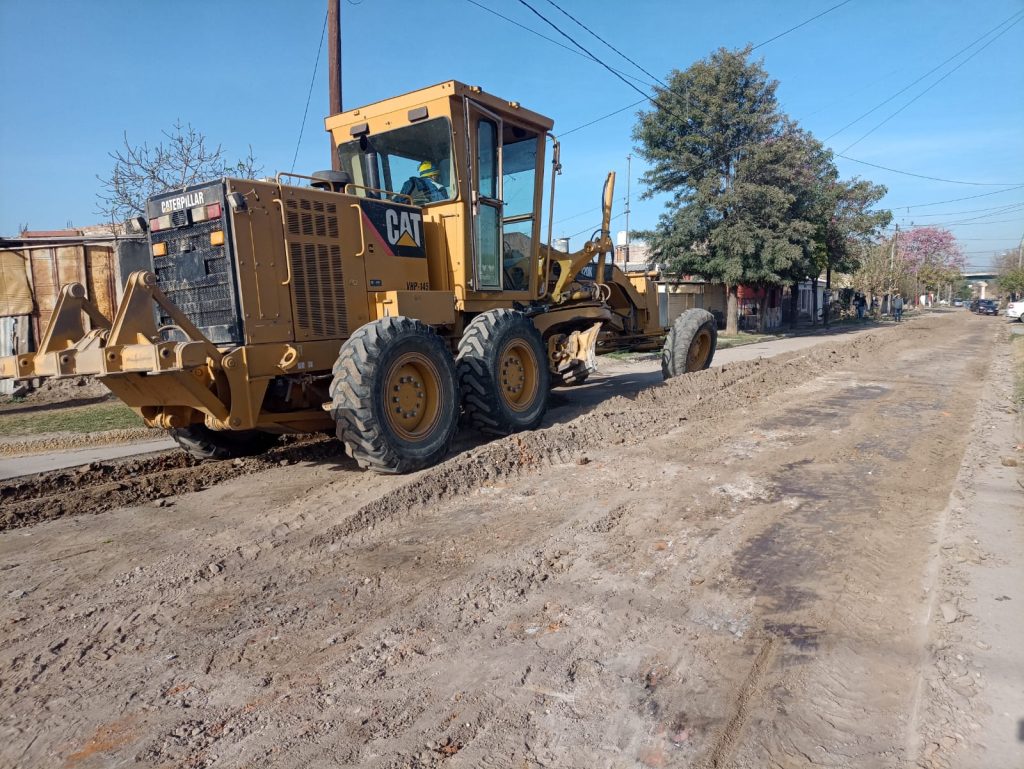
<point x="467" y="158"/>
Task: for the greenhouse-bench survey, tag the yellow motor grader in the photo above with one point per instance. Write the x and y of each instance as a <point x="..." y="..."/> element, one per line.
<point x="383" y="300"/>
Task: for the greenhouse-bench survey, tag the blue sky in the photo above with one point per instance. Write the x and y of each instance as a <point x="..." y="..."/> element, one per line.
<point x="75" y="76"/>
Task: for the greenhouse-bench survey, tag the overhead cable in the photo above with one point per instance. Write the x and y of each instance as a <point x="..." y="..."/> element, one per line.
<point x="801" y="24"/>
<point x="926" y="74"/>
<point x="926" y="90"/>
<point x="1015" y="185"/>
<point x="310" y="94"/>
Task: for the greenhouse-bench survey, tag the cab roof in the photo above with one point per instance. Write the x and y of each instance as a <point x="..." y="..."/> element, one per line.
<point x="451" y="88"/>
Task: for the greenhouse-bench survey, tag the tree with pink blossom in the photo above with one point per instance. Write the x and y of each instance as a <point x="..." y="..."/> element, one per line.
<point x="932" y="256"/>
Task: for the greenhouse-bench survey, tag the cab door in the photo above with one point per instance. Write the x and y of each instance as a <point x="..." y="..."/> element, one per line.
<point x="487" y="206"/>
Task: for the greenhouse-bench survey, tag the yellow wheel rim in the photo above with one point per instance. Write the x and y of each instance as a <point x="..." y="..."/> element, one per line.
<point x="518" y="375"/>
<point x="413" y="396"/>
<point x="700" y="347"/>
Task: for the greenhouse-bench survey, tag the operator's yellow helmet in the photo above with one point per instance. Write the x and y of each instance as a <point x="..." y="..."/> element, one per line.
<point x="427" y="169"/>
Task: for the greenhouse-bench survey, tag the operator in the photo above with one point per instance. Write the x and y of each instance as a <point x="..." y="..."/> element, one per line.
<point x="425" y="187"/>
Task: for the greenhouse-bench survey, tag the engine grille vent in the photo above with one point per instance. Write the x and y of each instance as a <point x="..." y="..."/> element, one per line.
<point x="312" y="217"/>
<point x="317" y="277"/>
<point x="199" y="279"/>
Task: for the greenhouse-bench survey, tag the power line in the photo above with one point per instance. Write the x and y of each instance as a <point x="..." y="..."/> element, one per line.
<point x="310" y="94"/>
<point x="1015" y="185"/>
<point x="621" y="77"/>
<point x="599" y="119"/>
<point x="801" y="24"/>
<point x="620" y="53"/>
<point x="568" y="37"/>
<point x="535" y="32"/>
<point x="957" y="224"/>
<point x="926" y="90"/>
<point x="987" y="216"/>
<point x="957" y="200"/>
<point x="926" y="74"/>
<point x="1007" y="207"/>
<point x="577" y="216"/>
<point x="596" y="227"/>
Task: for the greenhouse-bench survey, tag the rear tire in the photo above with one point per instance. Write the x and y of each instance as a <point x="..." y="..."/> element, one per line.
<point x="202" y="443"/>
<point x="690" y="345"/>
<point x="394" y="397"/>
<point x="503" y="373"/>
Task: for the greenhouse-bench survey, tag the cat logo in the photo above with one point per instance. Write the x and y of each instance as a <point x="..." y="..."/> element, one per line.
<point x="403" y="228"/>
<point x="400" y="227"/>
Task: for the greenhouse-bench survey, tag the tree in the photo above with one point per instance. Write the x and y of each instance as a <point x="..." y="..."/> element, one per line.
<point x="849" y="222"/>
<point x="878" y="271"/>
<point x="181" y="159"/>
<point x="932" y="256"/>
<point x="1012" y="281"/>
<point x="717" y="142"/>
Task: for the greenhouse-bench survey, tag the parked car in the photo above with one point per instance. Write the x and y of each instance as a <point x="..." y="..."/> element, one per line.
<point x="988" y="307"/>
<point x="958" y="302"/>
<point x="1015" y="311"/>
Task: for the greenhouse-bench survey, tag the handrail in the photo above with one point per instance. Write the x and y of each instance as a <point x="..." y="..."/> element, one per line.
<point x="362" y="233"/>
<point x="287" y="250"/>
<point x="390" y="193"/>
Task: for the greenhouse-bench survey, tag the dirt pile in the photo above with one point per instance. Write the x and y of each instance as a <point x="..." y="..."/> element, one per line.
<point x="102" y="486"/>
<point x="618" y="421"/>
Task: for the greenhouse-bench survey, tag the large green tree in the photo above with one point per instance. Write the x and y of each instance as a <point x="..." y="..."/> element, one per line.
<point x="718" y="143"/>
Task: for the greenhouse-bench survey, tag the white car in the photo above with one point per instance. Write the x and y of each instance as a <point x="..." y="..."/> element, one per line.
<point x="1014" y="310"/>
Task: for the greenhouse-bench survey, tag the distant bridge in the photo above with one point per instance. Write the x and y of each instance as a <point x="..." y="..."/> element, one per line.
<point x="977" y="275"/>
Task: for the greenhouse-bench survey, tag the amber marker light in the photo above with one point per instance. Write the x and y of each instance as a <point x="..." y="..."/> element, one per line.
<point x="217" y="238"/>
<point x="159" y="249"/>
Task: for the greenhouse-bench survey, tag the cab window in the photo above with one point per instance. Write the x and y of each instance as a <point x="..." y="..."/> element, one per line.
<point x="415" y="160"/>
<point x="519" y="156"/>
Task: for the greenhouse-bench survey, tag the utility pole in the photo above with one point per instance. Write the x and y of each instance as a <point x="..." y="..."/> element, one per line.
<point x="629" y="165"/>
<point x="334" y="67"/>
<point x="1020" y="253"/>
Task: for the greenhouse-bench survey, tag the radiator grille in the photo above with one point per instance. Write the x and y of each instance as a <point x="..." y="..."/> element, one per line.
<point x="198" y="279"/>
<point x="317" y="277"/>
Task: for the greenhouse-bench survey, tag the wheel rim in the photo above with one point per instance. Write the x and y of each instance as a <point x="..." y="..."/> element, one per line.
<point x="518" y="375"/>
<point x="413" y="402"/>
<point x="699" y="349"/>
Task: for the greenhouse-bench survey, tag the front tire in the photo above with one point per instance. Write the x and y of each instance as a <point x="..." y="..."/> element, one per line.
<point x="690" y="344"/>
<point x="503" y="372"/>
<point x="394" y="396"/>
<point x="202" y="443"/>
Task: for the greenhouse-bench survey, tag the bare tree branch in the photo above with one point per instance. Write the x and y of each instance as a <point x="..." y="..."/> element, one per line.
<point x="182" y="158"/>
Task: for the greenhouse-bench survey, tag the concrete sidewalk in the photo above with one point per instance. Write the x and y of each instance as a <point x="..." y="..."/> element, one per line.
<point x="14" y="467"/>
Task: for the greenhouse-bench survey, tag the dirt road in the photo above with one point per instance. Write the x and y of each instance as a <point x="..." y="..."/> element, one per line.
<point x="744" y="567"/>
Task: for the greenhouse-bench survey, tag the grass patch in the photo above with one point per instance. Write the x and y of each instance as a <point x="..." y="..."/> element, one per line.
<point x="77" y="419"/>
<point x="725" y="341"/>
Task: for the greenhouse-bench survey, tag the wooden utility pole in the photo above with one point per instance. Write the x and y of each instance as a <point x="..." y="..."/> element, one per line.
<point x="629" y="173"/>
<point x="334" y="65"/>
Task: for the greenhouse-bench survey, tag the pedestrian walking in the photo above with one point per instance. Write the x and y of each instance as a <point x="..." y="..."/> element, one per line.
<point x="897" y="308"/>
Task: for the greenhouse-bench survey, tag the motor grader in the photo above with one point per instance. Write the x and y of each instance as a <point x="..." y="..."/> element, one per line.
<point x="383" y="301"/>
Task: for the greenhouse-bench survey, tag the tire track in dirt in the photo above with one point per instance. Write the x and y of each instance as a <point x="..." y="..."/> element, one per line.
<point x="751" y="690"/>
<point x="844" y="713"/>
<point x="418" y="674"/>
<point x="619" y="421"/>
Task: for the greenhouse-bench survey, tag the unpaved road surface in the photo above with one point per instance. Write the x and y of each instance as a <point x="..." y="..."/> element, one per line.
<point x="746" y="567"/>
